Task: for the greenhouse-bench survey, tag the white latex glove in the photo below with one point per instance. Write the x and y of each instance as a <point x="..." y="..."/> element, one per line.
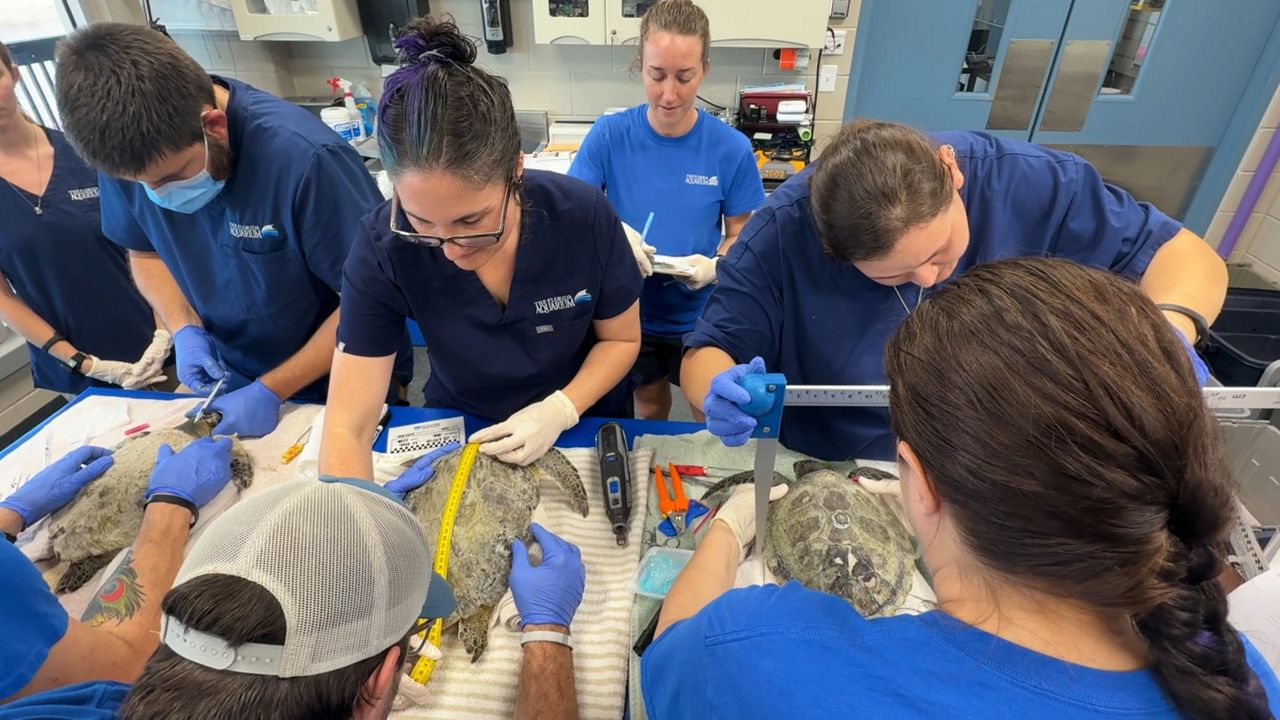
<point x="704" y="271"/>
<point x="129" y="376"/>
<point x="157" y="352"/>
<point x="739" y="512"/>
<point x="640" y="250"/>
<point x="528" y="434"/>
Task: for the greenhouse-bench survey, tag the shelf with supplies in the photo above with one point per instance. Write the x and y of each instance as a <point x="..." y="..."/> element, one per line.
<point x="734" y="23"/>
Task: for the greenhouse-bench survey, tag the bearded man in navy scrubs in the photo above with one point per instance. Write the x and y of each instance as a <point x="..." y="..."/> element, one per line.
<point x="237" y="209"/>
<point x="822" y="275"/>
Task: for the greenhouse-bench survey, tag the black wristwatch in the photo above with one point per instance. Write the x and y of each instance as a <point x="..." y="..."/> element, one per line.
<point x="75" y="362"/>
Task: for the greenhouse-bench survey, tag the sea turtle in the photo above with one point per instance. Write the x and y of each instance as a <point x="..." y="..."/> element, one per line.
<point x="104" y="518"/>
<point x="832" y="535"/>
<point x="496" y="508"/>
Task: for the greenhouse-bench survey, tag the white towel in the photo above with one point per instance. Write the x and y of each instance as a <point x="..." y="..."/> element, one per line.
<point x="487" y="689"/>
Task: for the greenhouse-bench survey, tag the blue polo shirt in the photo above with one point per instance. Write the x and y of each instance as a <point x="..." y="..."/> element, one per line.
<point x="822" y="322"/>
<point x="97" y="700"/>
<point x="61" y="266"/>
<point x="261" y="264"/>
<point x="31" y="620"/>
<point x="689" y="183"/>
<point x="573" y="266"/>
<point x="790" y="652"/>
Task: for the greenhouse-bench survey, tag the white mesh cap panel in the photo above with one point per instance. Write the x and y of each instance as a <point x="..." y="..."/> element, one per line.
<point x="350" y="568"/>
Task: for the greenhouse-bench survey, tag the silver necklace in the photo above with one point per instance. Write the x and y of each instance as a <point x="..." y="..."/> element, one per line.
<point x="919" y="295"/>
<point x="37" y="207"/>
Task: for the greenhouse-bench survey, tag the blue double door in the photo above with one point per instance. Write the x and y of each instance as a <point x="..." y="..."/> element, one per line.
<point x="1147" y="91"/>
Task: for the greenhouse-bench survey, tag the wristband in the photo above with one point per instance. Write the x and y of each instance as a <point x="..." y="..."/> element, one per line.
<point x="57" y="338"/>
<point x="10" y="538"/>
<point x="1201" y="325"/>
<point x="179" y="501"/>
<point x="550" y="636"/>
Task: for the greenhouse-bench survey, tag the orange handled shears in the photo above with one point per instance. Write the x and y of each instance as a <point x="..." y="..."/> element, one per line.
<point x="677" y="509"/>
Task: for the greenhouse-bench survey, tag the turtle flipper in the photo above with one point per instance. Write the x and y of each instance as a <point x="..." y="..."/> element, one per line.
<point x="82" y="571"/>
<point x="473" y="631"/>
<point x="558" y="468"/>
<point x="741" y="478"/>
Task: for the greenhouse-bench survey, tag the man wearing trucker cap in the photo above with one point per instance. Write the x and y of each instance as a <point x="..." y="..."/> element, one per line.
<point x="301" y="602"/>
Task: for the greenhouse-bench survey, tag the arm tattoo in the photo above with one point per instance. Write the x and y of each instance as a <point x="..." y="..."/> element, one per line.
<point x="119" y="598"/>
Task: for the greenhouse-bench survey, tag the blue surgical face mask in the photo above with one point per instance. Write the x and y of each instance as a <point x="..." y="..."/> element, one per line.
<point x="187" y="196"/>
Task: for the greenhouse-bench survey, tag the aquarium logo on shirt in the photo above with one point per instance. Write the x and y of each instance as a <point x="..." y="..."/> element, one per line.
<point x="561" y="302"/>
<point x="89" y="193"/>
<point x="707" y="180"/>
<point x="254" y="231"/>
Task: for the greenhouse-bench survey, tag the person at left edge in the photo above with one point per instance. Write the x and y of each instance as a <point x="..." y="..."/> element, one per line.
<point x="54" y="666"/>
<point x="63" y="286"/>
<point x="237" y="209"/>
<point x="522" y="281"/>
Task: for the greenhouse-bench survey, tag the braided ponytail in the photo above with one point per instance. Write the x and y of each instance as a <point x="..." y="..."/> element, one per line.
<point x="1197" y="656"/>
<point x="1108" y="470"/>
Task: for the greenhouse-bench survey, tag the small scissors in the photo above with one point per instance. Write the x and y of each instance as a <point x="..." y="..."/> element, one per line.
<point x="678" y="511"/>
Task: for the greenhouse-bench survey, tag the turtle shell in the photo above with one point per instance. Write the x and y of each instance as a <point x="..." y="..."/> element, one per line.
<point x="832" y="535"/>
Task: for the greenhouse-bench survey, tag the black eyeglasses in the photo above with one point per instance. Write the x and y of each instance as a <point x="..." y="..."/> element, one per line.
<point x="470" y="240"/>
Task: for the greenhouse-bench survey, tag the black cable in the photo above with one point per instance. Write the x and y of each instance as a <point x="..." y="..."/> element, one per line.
<point x="817" y="78"/>
<point x="708" y="102"/>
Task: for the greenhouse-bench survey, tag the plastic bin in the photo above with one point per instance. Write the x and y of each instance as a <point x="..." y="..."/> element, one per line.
<point x="1245" y="339"/>
<point x="1254" y="452"/>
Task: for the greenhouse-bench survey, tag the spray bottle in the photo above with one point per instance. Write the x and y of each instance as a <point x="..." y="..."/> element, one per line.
<point x="349" y="102"/>
<point x="367" y="106"/>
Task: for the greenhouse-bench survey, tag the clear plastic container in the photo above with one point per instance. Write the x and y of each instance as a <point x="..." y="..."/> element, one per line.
<point x="658" y="571"/>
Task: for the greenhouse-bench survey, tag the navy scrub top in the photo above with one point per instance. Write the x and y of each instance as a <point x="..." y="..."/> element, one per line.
<point x="573" y="266"/>
<point x="63" y="268"/>
<point x="822" y="322"/>
<point x="261" y="264"/>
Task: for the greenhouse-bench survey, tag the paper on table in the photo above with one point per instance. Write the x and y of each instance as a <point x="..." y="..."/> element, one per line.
<point x="669" y="265"/>
<point x="1254" y="609"/>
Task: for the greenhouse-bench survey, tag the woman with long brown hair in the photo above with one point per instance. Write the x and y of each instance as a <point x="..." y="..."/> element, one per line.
<point x="1066" y="485"/>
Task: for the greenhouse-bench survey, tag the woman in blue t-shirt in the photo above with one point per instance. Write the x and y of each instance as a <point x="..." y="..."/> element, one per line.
<point x="1068" y="492"/>
<point x="522" y="281"/>
<point x="63" y="286"/>
<point x="695" y="174"/>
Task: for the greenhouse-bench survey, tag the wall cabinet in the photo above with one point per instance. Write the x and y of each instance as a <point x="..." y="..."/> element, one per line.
<point x="330" y="20"/>
<point x="734" y="23"/>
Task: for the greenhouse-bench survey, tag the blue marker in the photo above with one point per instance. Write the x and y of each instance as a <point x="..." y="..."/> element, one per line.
<point x="645" y="232"/>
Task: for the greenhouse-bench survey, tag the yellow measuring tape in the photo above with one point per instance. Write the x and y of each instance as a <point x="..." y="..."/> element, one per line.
<point x="425" y="666"/>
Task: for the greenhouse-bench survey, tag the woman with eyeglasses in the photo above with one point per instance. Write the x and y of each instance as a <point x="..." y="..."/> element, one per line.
<point x="522" y="281"/>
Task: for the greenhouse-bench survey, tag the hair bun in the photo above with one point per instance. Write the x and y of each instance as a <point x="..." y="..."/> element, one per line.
<point x="425" y="41"/>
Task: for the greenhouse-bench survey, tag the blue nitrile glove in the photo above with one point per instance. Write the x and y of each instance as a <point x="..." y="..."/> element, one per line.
<point x="196" y="474"/>
<point x="198" y="365"/>
<point x="252" y="411"/>
<point x="57" y="484"/>
<point x="547" y="594"/>
<point x="421" y="471"/>
<point x="724" y="418"/>
<point x="1197" y="364"/>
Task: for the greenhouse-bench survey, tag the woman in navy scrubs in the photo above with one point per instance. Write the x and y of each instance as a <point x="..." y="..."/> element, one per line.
<point x="841" y="253"/>
<point x="522" y="281"/>
<point x="63" y="286"/>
